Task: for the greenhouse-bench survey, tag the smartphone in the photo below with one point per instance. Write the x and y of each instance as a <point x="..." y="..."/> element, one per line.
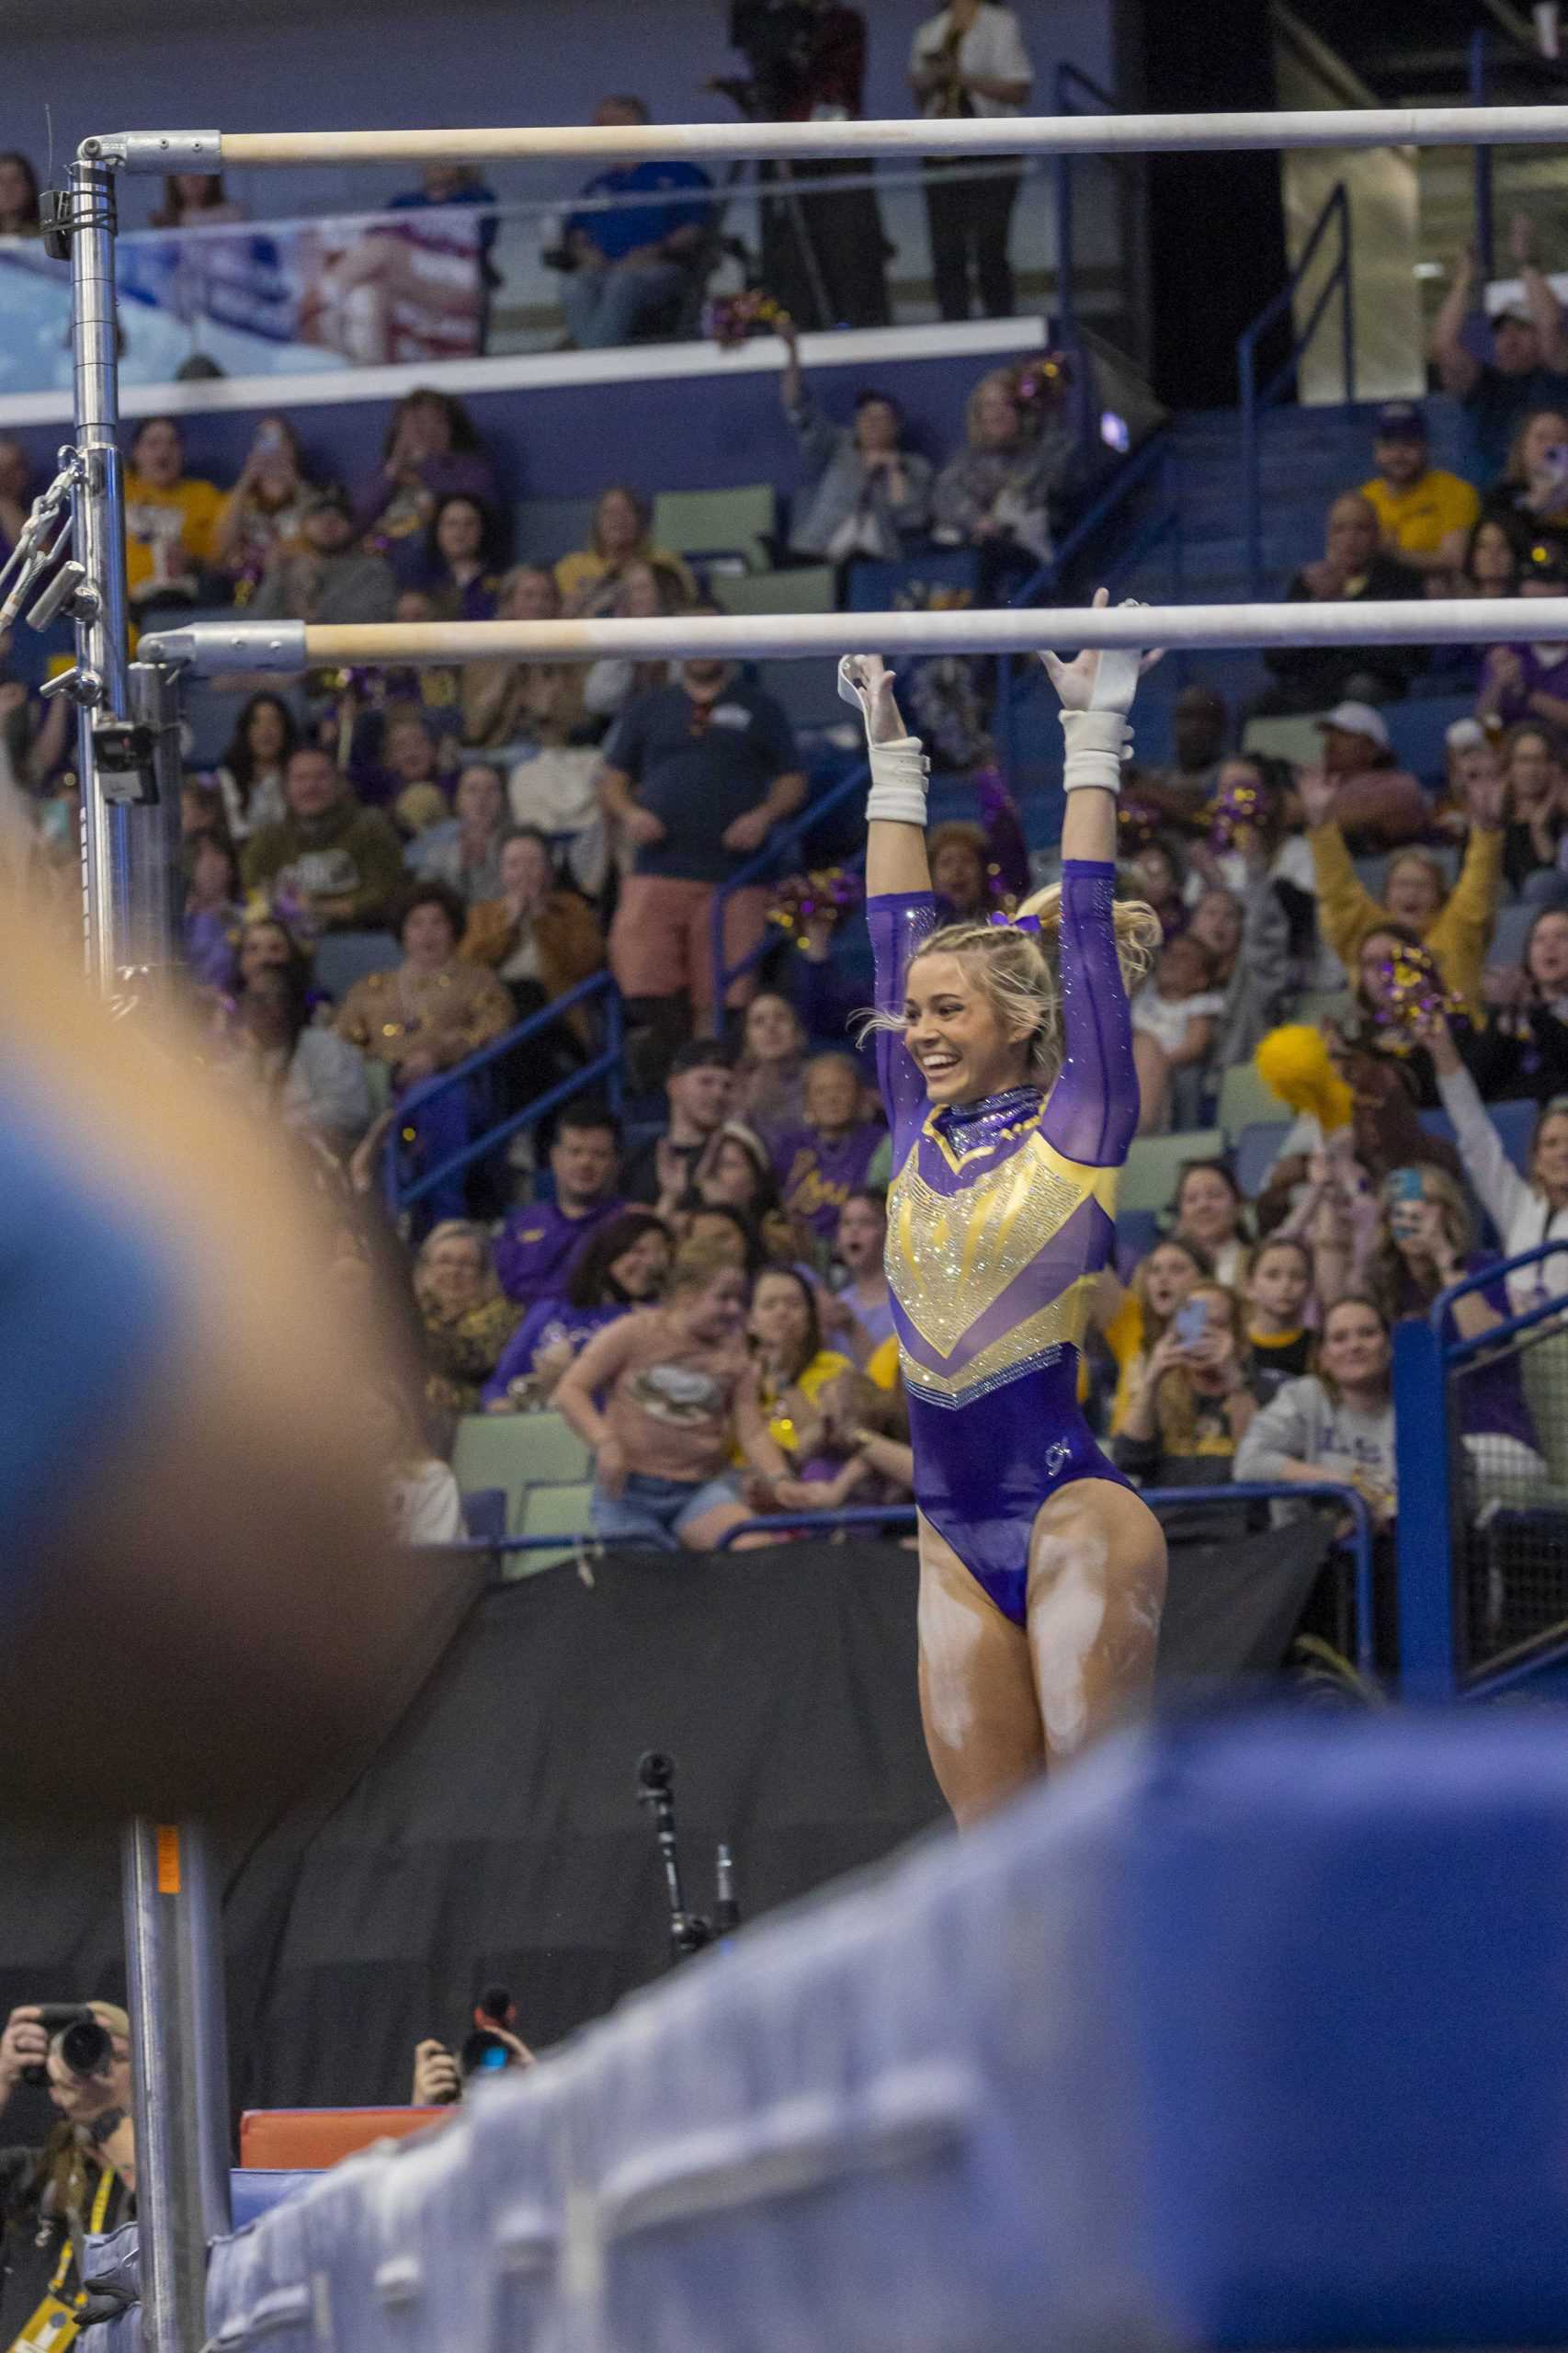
<point x="1406" y="1185"/>
<point x="1191" y="1321"/>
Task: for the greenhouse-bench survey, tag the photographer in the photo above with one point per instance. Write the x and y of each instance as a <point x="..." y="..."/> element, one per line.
<point x="82" y="2182"/>
<point x="439" y="2076"/>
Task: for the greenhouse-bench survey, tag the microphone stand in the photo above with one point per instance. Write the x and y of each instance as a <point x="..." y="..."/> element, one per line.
<point x="689" y="1931"/>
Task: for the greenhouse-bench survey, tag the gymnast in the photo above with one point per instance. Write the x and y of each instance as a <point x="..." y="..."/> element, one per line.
<point x="1006" y="1060"/>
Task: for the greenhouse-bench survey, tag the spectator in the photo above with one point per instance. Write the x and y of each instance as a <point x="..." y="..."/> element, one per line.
<point x="423" y="1503"/>
<point x="1529" y="367"/>
<point x="1131" y="1320"/>
<point x="538" y="938"/>
<point x="1532" y="499"/>
<point x="1190" y="1406"/>
<point x="15" y="495"/>
<point x="18" y="196"/>
<point x="797" y="1376"/>
<point x="442" y="185"/>
<point x="971" y="61"/>
<point x="819" y="1165"/>
<point x="1529" y="681"/>
<point x="620" y="535"/>
<point x="1523" y="1050"/>
<point x="679" y="1397"/>
<point x="83" y="2180"/>
<point x="470" y="859"/>
<point x="734" y="1170"/>
<point x="313" y="1078"/>
<point x="194" y="200"/>
<point x="1353" y="568"/>
<point x="1278" y="1301"/>
<point x="698" y="1089"/>
<point x="998" y="493"/>
<point x="866" y="495"/>
<point x="326" y="581"/>
<point x="697" y="777"/>
<point x="1455" y="926"/>
<point x="1159" y="880"/>
<point x="1183" y="791"/>
<point x="337" y="861"/>
<point x="1538" y="813"/>
<point x="396" y="754"/>
<point x="1492" y="561"/>
<point x="725" y="1233"/>
<point x="861" y="1310"/>
<point x="515" y="705"/>
<point x="210" y="919"/>
<point x="630" y="266"/>
<point x="1527" y="1210"/>
<point x="264" y="514"/>
<point x="648" y="591"/>
<point x="539" y="1243"/>
<point x="1335" y="1427"/>
<point x="1249" y="941"/>
<point x="1377" y="804"/>
<point x="1175" y="1017"/>
<point x="251" y="773"/>
<point x="623" y="1263"/>
<point x="432" y="451"/>
<point x="35" y="735"/>
<point x="1426" y="514"/>
<point x="769" y="1079"/>
<point x="1210" y="1209"/>
<point x="466" y="1317"/>
<point x="460" y="578"/>
<point x="170" y="520"/>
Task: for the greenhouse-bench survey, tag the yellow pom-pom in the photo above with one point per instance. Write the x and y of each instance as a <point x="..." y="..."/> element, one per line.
<point x="1293" y="1062"/>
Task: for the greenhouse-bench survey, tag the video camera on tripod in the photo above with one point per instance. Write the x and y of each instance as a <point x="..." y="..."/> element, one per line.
<point x="689" y="1931"/>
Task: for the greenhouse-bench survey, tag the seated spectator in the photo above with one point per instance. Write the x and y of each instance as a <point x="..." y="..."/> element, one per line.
<point x="461" y="579"/>
<point x="466" y="1317"/>
<point x="195" y="201"/>
<point x="859" y="1310"/>
<point x="1523" y="1050"/>
<point x="1455" y="926"/>
<point x="1532" y="499"/>
<point x="1537" y="803"/>
<point x="699" y="1090"/>
<point x="623" y="1263"/>
<point x="1249" y="943"/>
<point x="621" y="534"/>
<point x="432" y="451"/>
<point x="1131" y="1320"/>
<point x="1182" y="790"/>
<point x="1490" y="566"/>
<point x="679" y="1399"/>
<point x="724" y="1233"/>
<point x="328" y="581"/>
<point x="313" y="1078"/>
<point x="19" y="206"/>
<point x="833" y="1155"/>
<point x="538" y="938"/>
<point x="630" y="266"/>
<point x="514" y="704"/>
<point x="1519" y="682"/>
<point x="1426" y="515"/>
<point x="1191" y="1406"/>
<point x="540" y="1241"/>
<point x="770" y="1078"/>
<point x="264" y="514"/>
<point x="441" y="185"/>
<point x="1176" y="1018"/>
<point x="1211" y="1210"/>
<point x="735" y="1170"/>
<point x="865" y="494"/>
<point x="1159" y="879"/>
<point x="171" y="521"/>
<point x="250" y="774"/>
<point x="212" y="916"/>
<point x="1353" y="568"/>
<point x="16" y="485"/>
<point x="395" y="753"/>
<point x="1528" y="1211"/>
<point x="796" y="1374"/>
<point x="1278" y="1303"/>
<point x="468" y="858"/>
<point x="1376" y="804"/>
<point x="330" y="858"/>
<point x="1528" y="366"/>
<point x="648" y="591"/>
<point x="999" y="492"/>
<point x="697" y="777"/>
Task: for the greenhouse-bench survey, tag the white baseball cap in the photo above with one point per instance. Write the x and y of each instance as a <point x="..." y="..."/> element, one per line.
<point x="1358" y="719"/>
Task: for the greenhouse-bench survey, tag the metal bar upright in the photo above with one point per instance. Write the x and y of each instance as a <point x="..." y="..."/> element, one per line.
<point x="1486" y="239"/>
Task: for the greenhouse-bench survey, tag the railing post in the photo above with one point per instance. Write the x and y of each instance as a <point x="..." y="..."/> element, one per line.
<point x="1428" y="1665"/>
<point x="1484" y="239"/>
<point x="1347" y="292"/>
<point x="1252" y="485"/>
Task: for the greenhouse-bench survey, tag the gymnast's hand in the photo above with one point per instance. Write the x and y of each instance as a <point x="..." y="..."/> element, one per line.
<point x="1095" y="680"/>
<point x="865" y="679"/>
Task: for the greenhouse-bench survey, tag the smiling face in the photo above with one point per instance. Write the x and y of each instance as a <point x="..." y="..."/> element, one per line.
<point x="1548" y="1162"/>
<point x="832" y="1094"/>
<point x="1207" y="1208"/>
<point x="773" y="1032"/>
<point x="1354" y="1350"/>
<point x="862" y="1235"/>
<point x="1546" y="958"/>
<point x="1411" y="893"/>
<point x="640" y="1268"/>
<point x="956" y="1037"/>
<point x="1377" y="950"/>
<point x="453" y="1272"/>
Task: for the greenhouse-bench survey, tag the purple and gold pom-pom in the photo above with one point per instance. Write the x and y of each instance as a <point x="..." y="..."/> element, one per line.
<point x="731" y="319"/>
<point x="1137" y="825"/>
<point x="1233" y="813"/>
<point x="1409" y="992"/>
<point x="805" y="899"/>
<point x="1040" y="383"/>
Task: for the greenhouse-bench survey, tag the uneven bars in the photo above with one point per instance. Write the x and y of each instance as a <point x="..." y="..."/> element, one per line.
<point x="1138" y="135"/>
<point x="212" y="647"/>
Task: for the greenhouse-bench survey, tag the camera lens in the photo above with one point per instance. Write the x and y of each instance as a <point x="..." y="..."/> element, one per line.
<point x="85" y="2047"/>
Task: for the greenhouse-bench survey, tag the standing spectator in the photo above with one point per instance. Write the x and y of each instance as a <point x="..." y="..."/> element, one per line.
<point x="1377" y="804"/>
<point x="699" y="1091"/>
<point x="1352" y="569"/>
<point x="1249" y="941"/>
<point x="997" y="492"/>
<point x="697" y="777"/>
<point x="523" y="706"/>
<point x="336" y="860"/>
<point x="1335" y="1426"/>
<point x="466" y="1317"/>
<point x="769" y="1092"/>
<point x="866" y="495"/>
<point x="195" y="201"/>
<point x="632" y="267"/>
<point x="1538" y="812"/>
<point x="620" y="535"/>
<point x="540" y="937"/>
<point x="1527" y="1210"/>
<point x="819" y="1165"/>
<point x="623" y="1265"/>
<point x="1523" y="1050"/>
<point x="250" y="774"/>
<point x="1530" y="681"/>
<point x="1183" y="791"/>
<point x="736" y="1172"/>
<point x="18" y="196"/>
<point x="460" y="578"/>
<point x="1176" y="1016"/>
<point x="469" y="860"/>
<point x="863" y="1303"/>
<point x="264" y="514"/>
<point x="1278" y="1300"/>
<point x="170" y="520"/>
<point x="540" y="1240"/>
<point x="1529" y="367"/>
<point x="970" y="62"/>
<point x="648" y="591"/>
<point x="1191" y="1406"/>
<point x="1210" y="1209"/>
<point x="1426" y="514"/>
<point x="1132" y="1321"/>
<point x="326" y="580"/>
<point x="679" y="1398"/>
<point x="432" y="451"/>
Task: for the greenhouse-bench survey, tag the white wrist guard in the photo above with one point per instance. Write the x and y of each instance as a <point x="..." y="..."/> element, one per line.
<point x="1097" y="742"/>
<point x="899" y="775"/>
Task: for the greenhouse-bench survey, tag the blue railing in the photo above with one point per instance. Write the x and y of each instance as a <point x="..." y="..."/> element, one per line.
<point x="1433" y="1569"/>
<point x="1072" y="86"/>
<point x="770" y="863"/>
<point x="603" y="1071"/>
<point x="1335" y="213"/>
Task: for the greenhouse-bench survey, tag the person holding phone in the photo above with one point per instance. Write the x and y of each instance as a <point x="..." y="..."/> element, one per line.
<point x="1192" y="1405"/>
<point x="1532" y="499"/>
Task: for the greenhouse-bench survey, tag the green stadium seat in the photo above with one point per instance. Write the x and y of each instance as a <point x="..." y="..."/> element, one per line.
<point x="810" y="588"/>
<point x="552" y="1452"/>
<point x="1245" y="1101"/>
<point x="1154" y="1163"/>
<point x="551" y="1511"/>
<point x="516" y="1452"/>
<point x="740" y="522"/>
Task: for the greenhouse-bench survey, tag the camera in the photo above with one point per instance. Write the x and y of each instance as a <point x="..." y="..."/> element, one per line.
<point x="85" y="2044"/>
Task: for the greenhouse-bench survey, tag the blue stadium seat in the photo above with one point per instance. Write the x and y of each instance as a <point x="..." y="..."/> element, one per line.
<point x="1416" y="730"/>
<point x="544" y="529"/>
<point x="881" y="587"/>
<point x="345" y="957"/>
<point x="1515" y="1122"/>
<point x="484" y="1513"/>
<point x="1510" y="932"/>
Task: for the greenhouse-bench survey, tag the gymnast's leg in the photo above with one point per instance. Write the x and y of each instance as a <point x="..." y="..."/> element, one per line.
<point x="1097" y="1588"/>
<point x="977" y="1692"/>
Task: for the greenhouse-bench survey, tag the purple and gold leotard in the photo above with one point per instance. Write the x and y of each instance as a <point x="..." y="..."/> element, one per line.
<point x="1000" y="1216"/>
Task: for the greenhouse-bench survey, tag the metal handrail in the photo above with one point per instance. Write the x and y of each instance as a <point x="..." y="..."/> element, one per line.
<point x="789" y="831"/>
<point x="1336" y="211"/>
<point x="603" y="1070"/>
<point x="1071" y="80"/>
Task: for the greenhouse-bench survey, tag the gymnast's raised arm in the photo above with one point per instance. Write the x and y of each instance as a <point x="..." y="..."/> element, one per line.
<point x="900" y="910"/>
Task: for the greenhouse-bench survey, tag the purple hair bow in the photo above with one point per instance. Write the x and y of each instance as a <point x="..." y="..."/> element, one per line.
<point x="1016" y="922"/>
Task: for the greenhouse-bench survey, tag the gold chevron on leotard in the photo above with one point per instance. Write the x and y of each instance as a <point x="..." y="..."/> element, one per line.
<point x="1029" y="1343"/>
